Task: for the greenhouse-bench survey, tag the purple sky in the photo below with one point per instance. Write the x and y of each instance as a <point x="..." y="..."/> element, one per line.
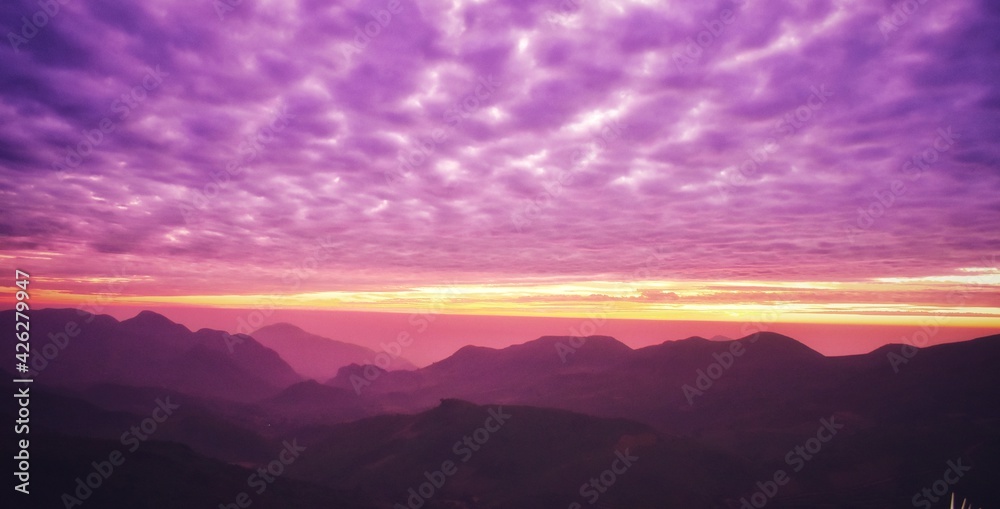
<point x="565" y="142"/>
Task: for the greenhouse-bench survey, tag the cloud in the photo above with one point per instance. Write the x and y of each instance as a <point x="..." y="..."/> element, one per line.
<point x="680" y="176"/>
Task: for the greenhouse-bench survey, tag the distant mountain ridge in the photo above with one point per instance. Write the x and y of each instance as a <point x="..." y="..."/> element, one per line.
<point x="149" y="350"/>
<point x="524" y="363"/>
<point x="315" y="356"/>
<point x="667" y="385"/>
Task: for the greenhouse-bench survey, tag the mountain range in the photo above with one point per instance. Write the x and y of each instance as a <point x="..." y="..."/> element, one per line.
<point x="709" y="423"/>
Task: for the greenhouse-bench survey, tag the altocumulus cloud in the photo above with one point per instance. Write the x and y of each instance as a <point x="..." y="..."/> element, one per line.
<point x="561" y="82"/>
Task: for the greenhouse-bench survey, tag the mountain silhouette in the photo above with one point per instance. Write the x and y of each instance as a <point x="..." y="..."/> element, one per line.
<point x="150" y="351"/>
<point x="709" y="421"/>
<point x="533" y="458"/>
<point x="315" y="356"/>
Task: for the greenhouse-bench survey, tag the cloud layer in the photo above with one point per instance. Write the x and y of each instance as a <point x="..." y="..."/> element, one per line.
<point x="213" y="148"/>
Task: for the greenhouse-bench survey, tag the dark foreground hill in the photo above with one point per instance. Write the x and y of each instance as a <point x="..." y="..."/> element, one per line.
<point x="158" y="475"/>
<point x="517" y="456"/>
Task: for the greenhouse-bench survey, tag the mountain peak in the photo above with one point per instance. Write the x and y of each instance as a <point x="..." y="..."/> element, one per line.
<point x="281" y="328"/>
<point x="304" y="391"/>
<point x="594" y="344"/>
<point x="596" y="338"/>
<point x="472" y="350"/>
<point x="779" y="342"/>
<point x="692" y="339"/>
<point x="150" y="317"/>
<point x="345" y="372"/>
<point x="150" y="320"/>
<point x="316" y="356"/>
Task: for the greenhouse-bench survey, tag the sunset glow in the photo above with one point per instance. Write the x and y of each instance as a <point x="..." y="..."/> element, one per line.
<point x="956" y="300"/>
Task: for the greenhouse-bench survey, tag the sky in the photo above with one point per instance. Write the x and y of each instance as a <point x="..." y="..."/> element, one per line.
<point x="820" y="162"/>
